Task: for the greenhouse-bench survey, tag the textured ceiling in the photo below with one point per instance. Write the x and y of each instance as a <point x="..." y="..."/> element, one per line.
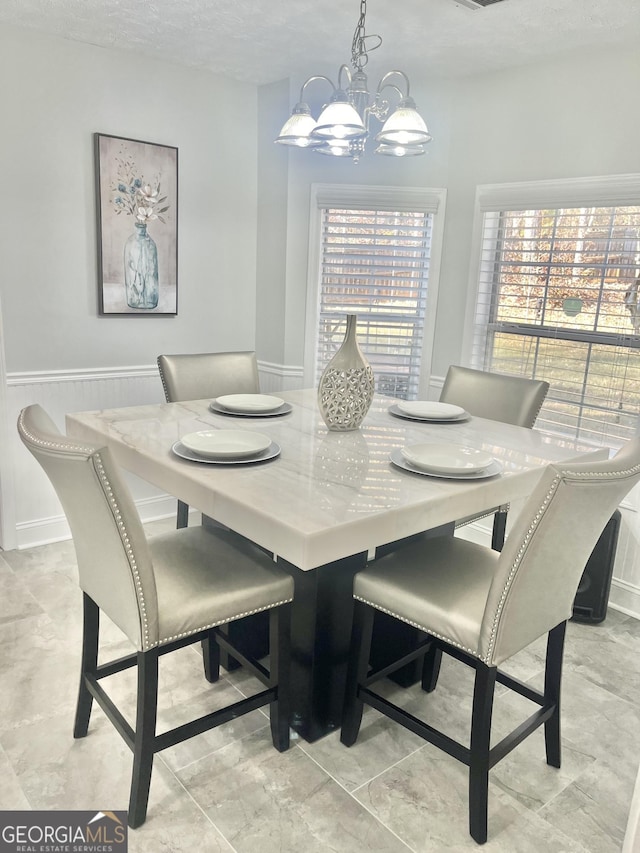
<point x="260" y="41"/>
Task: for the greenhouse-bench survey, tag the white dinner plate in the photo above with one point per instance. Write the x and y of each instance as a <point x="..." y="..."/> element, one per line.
<point x="270" y="453"/>
<point x="249" y="402"/>
<point x="446" y="458"/>
<point x="395" y="410"/>
<point x="225" y="443"/>
<point x="492" y="470"/>
<point x="284" y="409"/>
<point x="428" y="410"/>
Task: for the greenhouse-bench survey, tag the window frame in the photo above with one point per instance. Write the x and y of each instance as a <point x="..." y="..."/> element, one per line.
<point x="367" y="197"/>
<point x="601" y="191"/>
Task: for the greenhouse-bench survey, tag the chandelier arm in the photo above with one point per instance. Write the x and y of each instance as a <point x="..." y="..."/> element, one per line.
<point x="347" y="71"/>
<point x="383" y="82"/>
<point x="311" y="80"/>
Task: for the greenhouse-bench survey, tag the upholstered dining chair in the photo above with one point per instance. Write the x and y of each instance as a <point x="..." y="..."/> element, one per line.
<point x="510" y="399"/>
<point x="498" y="397"/>
<point x="196" y="376"/>
<point x="481" y="607"/>
<point x="163" y="593"/>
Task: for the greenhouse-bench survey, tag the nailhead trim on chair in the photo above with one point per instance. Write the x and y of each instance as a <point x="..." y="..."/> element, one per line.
<point x="536" y="520"/>
<point x="417" y="625"/>
<point x="516" y="563"/>
<point x="124" y="536"/>
<point x="164" y="384"/>
<point x="74" y="448"/>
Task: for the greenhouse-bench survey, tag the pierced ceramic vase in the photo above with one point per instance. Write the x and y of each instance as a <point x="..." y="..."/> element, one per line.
<point x="346" y="387"/>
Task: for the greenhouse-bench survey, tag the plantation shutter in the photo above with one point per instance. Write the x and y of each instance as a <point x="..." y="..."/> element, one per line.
<point x="558" y="299"/>
<point x="374" y="262"/>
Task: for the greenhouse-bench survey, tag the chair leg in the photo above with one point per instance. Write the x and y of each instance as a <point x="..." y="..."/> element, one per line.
<point x="356" y="671"/>
<point x="431" y="668"/>
<point x="145" y="736"/>
<point x="483" y="691"/>
<point x="211" y="658"/>
<point x="552" y="682"/>
<point x="183" y="515"/>
<point x="499" y="530"/>
<point x="90" y="629"/>
<point x="279" y="672"/>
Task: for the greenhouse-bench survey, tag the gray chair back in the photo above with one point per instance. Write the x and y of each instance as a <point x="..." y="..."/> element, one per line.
<point x="541" y="564"/>
<point x="510" y="399"/>
<point x="114" y="561"/>
<point x="197" y="376"/>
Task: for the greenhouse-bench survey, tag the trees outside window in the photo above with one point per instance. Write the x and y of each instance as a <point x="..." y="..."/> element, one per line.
<point x="558" y="299"/>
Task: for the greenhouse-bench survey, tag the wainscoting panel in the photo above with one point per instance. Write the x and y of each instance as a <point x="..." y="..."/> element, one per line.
<point x="39" y="517"/>
<point x="279" y="377"/>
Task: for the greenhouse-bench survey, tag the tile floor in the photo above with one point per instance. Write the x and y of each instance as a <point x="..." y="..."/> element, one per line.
<point x="230" y="790"/>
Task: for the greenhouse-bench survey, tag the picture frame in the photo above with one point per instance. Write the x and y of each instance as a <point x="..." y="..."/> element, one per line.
<point x="137" y="218"/>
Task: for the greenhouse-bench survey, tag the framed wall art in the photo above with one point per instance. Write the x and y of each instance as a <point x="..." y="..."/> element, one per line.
<point x="137" y="201"/>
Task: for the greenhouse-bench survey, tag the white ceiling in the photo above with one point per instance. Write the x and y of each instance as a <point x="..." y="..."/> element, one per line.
<point x="260" y="41"/>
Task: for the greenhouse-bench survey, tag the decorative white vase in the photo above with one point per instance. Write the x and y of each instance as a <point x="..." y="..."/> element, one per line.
<point x="346" y="387"/>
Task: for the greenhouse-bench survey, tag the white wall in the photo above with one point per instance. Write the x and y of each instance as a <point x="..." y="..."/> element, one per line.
<point x="55" y="95"/>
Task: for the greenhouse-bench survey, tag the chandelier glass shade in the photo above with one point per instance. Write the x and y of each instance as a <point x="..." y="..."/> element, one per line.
<point x="343" y="125"/>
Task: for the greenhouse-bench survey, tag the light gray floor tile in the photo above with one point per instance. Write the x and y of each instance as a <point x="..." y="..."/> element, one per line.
<point x="264" y="800"/>
<point x="38" y="672"/>
<point x="595" y="807"/>
<point x="16" y="602"/>
<point x="599" y="723"/>
<point x="381" y="743"/>
<point x="606" y="662"/>
<point x="628" y="634"/>
<point x="45" y="558"/>
<point x="57" y="772"/>
<point x="11" y="794"/>
<point x="424" y="800"/>
<point x="229" y="790"/>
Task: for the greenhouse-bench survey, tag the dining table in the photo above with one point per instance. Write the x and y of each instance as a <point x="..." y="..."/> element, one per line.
<point x="322" y="501"/>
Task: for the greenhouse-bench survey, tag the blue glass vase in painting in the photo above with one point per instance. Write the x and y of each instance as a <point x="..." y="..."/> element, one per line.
<point x="141" y="269"/>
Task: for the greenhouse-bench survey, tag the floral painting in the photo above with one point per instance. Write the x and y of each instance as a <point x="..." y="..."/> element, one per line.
<point x="137" y="189"/>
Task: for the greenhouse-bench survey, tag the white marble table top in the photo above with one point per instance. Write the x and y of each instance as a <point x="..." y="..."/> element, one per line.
<point x="328" y="495"/>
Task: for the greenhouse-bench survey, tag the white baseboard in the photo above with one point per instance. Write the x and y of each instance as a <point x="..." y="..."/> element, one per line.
<point x="625" y="597"/>
<point x="44" y="531"/>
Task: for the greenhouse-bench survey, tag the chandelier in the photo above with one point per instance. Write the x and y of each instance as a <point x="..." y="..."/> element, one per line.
<point x="342" y="127"/>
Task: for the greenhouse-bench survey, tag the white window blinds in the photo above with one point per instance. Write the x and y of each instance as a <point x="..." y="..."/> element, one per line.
<point x="558" y="299"/>
<point x="374" y="262"/>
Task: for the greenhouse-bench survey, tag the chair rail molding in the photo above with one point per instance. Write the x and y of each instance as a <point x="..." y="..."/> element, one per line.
<point x="280" y="377"/>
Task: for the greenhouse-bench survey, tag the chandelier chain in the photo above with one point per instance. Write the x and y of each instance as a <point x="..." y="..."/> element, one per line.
<point x="359" y="50"/>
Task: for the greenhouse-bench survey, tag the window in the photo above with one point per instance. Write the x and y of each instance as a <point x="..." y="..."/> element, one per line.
<point x="375" y="259"/>
<point x="559" y="299"/>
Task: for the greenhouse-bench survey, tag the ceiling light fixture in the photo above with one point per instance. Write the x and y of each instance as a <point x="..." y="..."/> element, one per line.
<point x="342" y="127"/>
